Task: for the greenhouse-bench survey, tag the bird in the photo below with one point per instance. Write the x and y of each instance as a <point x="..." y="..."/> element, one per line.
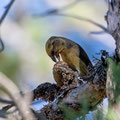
<point x="71" y="53"/>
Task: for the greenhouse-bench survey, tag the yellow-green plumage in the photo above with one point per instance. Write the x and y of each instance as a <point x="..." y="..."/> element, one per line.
<point x="72" y="53"/>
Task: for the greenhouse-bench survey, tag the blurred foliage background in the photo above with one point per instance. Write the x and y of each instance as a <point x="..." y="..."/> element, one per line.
<point x="24" y="59"/>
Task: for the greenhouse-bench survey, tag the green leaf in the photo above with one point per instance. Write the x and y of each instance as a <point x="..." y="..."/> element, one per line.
<point x="115" y="76"/>
<point x="70" y="114"/>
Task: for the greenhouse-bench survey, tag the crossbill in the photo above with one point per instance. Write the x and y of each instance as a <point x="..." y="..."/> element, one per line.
<point x="72" y="53"/>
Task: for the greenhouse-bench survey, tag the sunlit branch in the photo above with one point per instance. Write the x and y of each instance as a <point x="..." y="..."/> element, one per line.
<point x="22" y="103"/>
<point x="6" y="101"/>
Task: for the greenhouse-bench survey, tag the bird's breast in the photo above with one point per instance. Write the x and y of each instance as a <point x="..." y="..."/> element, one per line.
<point x="70" y="59"/>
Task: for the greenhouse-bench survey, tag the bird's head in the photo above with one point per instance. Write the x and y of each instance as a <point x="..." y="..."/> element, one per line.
<point x="54" y="47"/>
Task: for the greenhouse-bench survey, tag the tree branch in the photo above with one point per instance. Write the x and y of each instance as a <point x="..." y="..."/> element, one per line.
<point x="2" y="45"/>
<point x="113" y="22"/>
<point x="5" y="101"/>
<point x="7" y="8"/>
<point x="21" y="103"/>
<point x="57" y="13"/>
<point x="6" y="11"/>
<point x="73" y="93"/>
<point x="83" y="19"/>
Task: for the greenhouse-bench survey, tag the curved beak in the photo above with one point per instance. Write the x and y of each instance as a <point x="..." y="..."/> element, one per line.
<point x="58" y="57"/>
<point x="53" y="58"/>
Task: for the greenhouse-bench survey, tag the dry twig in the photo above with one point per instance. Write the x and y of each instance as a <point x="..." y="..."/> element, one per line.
<point x="21" y="103"/>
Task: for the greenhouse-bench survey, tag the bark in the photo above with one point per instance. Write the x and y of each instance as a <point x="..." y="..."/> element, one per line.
<point x="73" y="93"/>
<point x="113" y="77"/>
<point x="113" y="22"/>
